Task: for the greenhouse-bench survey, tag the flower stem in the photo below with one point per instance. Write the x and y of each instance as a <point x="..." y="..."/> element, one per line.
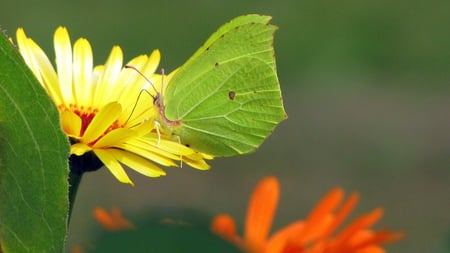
<point x="74" y="182"/>
<point x="78" y="166"/>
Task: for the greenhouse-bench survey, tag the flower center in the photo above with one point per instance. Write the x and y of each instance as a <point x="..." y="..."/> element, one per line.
<point x="86" y="115"/>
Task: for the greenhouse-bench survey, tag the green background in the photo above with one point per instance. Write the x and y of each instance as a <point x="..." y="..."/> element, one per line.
<point x="366" y="87"/>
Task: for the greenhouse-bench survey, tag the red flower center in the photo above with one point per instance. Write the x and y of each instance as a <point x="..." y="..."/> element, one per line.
<point x="86" y="115"/>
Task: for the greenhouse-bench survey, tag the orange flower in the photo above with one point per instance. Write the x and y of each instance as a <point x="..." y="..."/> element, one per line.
<point x="315" y="234"/>
<point x="113" y="220"/>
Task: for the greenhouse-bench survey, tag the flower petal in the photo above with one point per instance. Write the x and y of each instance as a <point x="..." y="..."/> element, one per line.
<point x="343" y="212"/>
<point x="115" y="137"/>
<point x="113" y="220"/>
<point x="157" y="156"/>
<point x="357" y="225"/>
<point x="63" y="55"/>
<point x="101" y="122"/>
<point x="260" y="212"/>
<point x="196" y="161"/>
<point x="79" y="149"/>
<point x="285" y="236"/>
<point x="130" y="83"/>
<point x="320" y="217"/>
<point x="223" y="225"/>
<point x="103" y="218"/>
<point x="39" y="63"/>
<point x="367" y="238"/>
<point x="152" y="63"/>
<point x="137" y="163"/>
<point x="113" y="165"/>
<point x="71" y="123"/>
<point x="28" y="53"/>
<point x="82" y="72"/>
<point x="103" y="92"/>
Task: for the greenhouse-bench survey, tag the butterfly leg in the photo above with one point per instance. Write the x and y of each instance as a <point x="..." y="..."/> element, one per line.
<point x="157" y="126"/>
<point x="181" y="156"/>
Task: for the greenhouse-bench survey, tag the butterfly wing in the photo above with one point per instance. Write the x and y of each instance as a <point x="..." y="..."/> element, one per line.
<point x="227" y="96"/>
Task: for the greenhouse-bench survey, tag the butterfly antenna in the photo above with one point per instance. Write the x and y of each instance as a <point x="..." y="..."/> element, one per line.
<point x="162" y="87"/>
<point x="140" y="73"/>
<point x="142" y="90"/>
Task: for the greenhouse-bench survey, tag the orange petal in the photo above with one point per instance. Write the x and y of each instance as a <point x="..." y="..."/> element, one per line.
<point x="367" y="238"/>
<point x="120" y="221"/>
<point x="343" y="212"/>
<point x="360" y="224"/>
<point x="320" y="215"/>
<point x="103" y="217"/>
<point x="372" y="249"/>
<point x="284" y="237"/>
<point x="224" y="226"/>
<point x="111" y="221"/>
<point x="260" y="212"/>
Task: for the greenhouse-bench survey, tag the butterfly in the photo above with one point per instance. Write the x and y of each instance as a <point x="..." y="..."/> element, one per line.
<point x="226" y="99"/>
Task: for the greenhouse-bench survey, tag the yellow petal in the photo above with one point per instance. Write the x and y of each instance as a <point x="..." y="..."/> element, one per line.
<point x="41" y="66"/>
<point x="79" y="149"/>
<point x="27" y="53"/>
<point x="159" y="157"/>
<point x="144" y="127"/>
<point x="130" y="83"/>
<point x="113" y="165"/>
<point x="152" y="63"/>
<point x="82" y="71"/>
<point x="101" y="122"/>
<point x="71" y="123"/>
<point x="137" y="163"/>
<point x="63" y="54"/>
<point x="197" y="163"/>
<point x="104" y="91"/>
<point x="115" y="137"/>
<point x="49" y="76"/>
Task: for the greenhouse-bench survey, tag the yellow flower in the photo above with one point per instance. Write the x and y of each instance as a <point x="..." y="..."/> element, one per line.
<point x="99" y="109"/>
<point x="315" y="234"/>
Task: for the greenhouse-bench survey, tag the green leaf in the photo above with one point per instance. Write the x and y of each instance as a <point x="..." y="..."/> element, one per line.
<point x="33" y="153"/>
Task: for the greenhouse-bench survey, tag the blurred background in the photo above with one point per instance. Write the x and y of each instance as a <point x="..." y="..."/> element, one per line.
<point x="366" y="86"/>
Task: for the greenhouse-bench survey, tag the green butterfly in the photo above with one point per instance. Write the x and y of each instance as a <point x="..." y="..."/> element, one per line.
<point x="226" y="99"/>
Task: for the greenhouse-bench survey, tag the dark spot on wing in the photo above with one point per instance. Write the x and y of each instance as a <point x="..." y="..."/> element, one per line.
<point x="216" y="65"/>
<point x="231" y="95"/>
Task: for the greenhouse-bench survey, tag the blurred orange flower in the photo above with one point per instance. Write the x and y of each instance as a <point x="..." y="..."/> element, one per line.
<point x="112" y="220"/>
<point x="315" y="234"/>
